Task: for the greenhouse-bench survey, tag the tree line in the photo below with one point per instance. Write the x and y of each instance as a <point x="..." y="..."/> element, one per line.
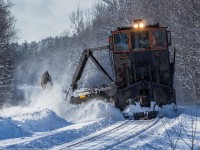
<point x="90" y="28"/>
<point x="7" y="35"/>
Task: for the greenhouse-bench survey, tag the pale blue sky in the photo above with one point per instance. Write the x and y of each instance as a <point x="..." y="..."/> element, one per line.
<point x="37" y="19"/>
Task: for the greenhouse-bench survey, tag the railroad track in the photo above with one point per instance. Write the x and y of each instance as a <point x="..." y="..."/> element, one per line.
<point x="132" y="133"/>
<point x="98" y="135"/>
<point x="106" y="139"/>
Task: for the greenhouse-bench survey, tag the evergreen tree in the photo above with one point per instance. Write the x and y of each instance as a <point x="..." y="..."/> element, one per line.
<point x="7" y="34"/>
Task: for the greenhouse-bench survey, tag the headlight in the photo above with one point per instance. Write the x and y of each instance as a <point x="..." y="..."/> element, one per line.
<point x="135" y="25"/>
<point x="141" y="25"/>
<point x="138" y="24"/>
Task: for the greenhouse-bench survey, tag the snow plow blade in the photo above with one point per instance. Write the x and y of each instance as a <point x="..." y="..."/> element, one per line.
<point x="142" y="115"/>
<point x="45" y="81"/>
<point x="145" y="115"/>
<point x="85" y="94"/>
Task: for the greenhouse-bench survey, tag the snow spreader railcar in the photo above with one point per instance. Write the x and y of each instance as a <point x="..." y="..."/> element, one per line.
<point x="143" y="61"/>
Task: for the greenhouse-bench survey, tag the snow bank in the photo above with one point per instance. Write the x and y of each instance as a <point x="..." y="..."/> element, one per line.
<point x="40" y="121"/>
<point x="9" y="129"/>
<point x="190" y="109"/>
<point x="25" y="124"/>
<point x="169" y="111"/>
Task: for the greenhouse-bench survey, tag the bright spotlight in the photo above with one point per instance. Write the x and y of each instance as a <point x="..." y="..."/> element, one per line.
<point x="138" y="24"/>
<point x="141" y="25"/>
<point x="135" y="25"/>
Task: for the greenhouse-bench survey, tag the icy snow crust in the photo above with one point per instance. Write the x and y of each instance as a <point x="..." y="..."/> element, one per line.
<point x="46" y="121"/>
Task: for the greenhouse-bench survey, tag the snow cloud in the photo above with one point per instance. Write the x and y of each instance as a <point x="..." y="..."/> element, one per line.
<point x="38" y="19"/>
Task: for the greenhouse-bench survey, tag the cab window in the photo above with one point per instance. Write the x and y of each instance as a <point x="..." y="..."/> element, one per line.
<point x="121" y="41"/>
<point x="158" y="39"/>
<point x="140" y="40"/>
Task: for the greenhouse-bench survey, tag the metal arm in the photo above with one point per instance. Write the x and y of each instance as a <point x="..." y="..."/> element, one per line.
<point x="82" y="62"/>
<point x="100" y="67"/>
<point x="79" y="69"/>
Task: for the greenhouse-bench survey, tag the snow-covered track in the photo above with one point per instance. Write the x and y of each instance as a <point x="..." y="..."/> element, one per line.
<point x="111" y="137"/>
<point x="131" y="134"/>
<point x="98" y="135"/>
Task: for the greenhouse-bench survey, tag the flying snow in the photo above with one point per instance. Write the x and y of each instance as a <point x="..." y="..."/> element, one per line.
<point x="54" y="100"/>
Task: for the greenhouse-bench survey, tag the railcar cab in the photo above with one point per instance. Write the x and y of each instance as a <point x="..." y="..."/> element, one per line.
<point x="141" y="64"/>
<point x="140" y="38"/>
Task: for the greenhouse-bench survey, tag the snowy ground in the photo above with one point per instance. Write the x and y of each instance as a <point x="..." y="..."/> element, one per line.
<point x="49" y="123"/>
